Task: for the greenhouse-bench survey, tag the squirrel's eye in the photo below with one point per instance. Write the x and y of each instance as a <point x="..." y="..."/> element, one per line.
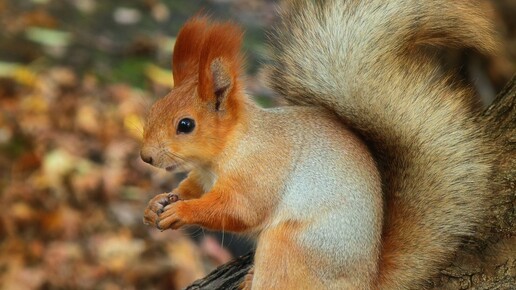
<point x="185" y="126"/>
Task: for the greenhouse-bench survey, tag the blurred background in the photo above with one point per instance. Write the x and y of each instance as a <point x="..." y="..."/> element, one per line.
<point x="76" y="80"/>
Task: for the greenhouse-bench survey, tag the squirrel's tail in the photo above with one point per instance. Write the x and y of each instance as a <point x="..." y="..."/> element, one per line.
<point x="364" y="61"/>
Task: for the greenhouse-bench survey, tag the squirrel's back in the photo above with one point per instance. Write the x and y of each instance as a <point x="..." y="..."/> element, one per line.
<point x="363" y="60"/>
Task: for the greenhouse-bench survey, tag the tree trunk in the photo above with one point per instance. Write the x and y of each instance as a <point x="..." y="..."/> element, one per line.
<point x="486" y="263"/>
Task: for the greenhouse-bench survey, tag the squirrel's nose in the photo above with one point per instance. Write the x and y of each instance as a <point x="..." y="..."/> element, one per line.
<point x="146" y="158"/>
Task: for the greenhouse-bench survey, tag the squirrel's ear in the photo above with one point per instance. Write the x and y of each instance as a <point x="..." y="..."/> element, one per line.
<point x="222" y="81"/>
<point x="220" y="65"/>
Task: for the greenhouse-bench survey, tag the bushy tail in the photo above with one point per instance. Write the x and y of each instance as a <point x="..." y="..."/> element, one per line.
<point x="363" y="60"/>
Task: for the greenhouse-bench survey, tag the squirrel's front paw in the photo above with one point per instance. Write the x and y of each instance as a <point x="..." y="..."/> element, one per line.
<point x="173" y="216"/>
<point x="156" y="207"/>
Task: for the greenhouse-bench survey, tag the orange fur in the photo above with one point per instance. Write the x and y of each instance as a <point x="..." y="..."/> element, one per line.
<point x="223" y="41"/>
<point x="187" y="50"/>
<point x="280" y="260"/>
<point x="190" y="187"/>
<point x="220" y="209"/>
<point x="198" y="44"/>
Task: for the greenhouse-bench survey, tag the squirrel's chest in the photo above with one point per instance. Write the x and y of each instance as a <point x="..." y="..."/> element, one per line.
<point x="206" y="179"/>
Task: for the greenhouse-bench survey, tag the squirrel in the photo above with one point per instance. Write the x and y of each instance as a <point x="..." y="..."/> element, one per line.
<point x="370" y="177"/>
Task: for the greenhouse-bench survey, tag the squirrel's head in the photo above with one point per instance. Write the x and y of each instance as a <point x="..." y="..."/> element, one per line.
<point x="192" y="124"/>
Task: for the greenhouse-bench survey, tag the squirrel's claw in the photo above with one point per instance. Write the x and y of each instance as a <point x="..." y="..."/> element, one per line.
<point x="157" y="225"/>
<point x="155" y="208"/>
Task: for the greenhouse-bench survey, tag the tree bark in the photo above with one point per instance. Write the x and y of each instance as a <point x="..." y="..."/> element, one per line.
<point x="488" y="262"/>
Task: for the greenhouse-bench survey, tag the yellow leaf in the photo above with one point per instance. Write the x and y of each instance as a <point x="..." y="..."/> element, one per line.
<point x="34" y="104"/>
<point x="160" y="76"/>
<point x="25" y="76"/>
<point x="18" y="72"/>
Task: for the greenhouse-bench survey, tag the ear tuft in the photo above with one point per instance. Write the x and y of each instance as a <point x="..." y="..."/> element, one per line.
<point x="188" y="47"/>
<point x="210" y="51"/>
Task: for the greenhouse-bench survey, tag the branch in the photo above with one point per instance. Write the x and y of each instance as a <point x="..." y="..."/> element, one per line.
<point x="228" y="276"/>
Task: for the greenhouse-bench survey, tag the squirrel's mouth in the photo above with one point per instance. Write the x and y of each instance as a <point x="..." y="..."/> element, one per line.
<point x="172" y="167"/>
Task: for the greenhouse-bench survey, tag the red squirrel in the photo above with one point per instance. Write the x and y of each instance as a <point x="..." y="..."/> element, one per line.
<point x="368" y="179"/>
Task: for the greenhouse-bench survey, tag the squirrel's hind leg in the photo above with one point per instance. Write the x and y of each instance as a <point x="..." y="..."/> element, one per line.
<point x="285" y="259"/>
<point x="279" y="261"/>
